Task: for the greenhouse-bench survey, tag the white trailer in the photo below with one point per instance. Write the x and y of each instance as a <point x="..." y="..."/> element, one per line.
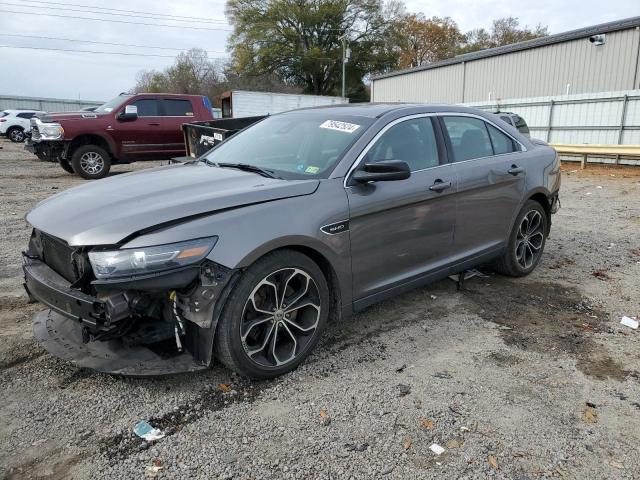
<point x="243" y="103"/>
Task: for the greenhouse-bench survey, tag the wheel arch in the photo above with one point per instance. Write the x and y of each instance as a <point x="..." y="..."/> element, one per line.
<point x="542" y="197"/>
<point x="90" y="139"/>
<point x="322" y="259"/>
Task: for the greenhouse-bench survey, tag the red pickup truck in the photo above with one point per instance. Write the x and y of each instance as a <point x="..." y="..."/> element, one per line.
<point x="145" y="126"/>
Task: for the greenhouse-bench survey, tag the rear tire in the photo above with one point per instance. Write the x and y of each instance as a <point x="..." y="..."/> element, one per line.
<point x="16" y="134"/>
<point x="66" y="166"/>
<point x="91" y="162"/>
<point x="526" y="242"/>
<point x="274" y="316"/>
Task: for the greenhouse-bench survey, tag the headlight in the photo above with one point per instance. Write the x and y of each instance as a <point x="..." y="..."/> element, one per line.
<point x="139" y="261"/>
<point x="51" y="131"/>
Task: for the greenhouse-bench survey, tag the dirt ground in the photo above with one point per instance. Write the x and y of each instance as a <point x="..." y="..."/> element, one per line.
<point x="515" y="378"/>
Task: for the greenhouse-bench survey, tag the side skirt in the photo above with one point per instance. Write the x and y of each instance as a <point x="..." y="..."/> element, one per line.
<point x="429" y="277"/>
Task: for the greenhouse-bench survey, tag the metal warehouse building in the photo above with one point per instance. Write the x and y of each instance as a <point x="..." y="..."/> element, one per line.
<point x="573" y="88"/>
<point x="566" y="63"/>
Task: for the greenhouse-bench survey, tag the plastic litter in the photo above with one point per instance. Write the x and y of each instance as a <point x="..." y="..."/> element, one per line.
<point x="437" y="449"/>
<point x="630" y="322"/>
<point x="143" y="429"/>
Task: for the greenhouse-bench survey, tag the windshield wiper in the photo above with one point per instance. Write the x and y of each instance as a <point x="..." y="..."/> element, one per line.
<point x="249" y="168"/>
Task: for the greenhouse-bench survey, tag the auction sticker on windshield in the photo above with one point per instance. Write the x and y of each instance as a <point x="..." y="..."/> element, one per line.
<point x="340" y="126"/>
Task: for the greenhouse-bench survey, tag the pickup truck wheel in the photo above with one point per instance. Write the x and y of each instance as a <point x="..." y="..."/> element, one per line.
<point x="16" y="134"/>
<point x="66" y="166"/>
<point x="91" y="162"/>
<point x="274" y="316"/>
<point x="526" y="242"/>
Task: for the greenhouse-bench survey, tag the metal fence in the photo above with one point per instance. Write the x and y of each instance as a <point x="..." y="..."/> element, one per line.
<point x="8" y="102"/>
<point x="608" y="118"/>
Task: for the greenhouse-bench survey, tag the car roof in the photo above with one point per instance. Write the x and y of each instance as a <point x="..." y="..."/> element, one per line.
<point x="377" y="110"/>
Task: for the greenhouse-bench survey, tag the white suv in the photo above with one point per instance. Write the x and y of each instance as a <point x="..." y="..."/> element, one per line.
<point x="16" y="123"/>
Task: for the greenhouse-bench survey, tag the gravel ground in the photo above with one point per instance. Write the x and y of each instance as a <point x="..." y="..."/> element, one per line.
<point x="514" y="378"/>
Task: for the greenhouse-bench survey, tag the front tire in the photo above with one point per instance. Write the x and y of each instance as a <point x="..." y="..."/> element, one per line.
<point x="16" y="134"/>
<point x="91" y="162"/>
<point x="274" y="316"/>
<point x="526" y="242"/>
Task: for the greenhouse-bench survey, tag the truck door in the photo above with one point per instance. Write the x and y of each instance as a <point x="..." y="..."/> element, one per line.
<point x="140" y="138"/>
<point x="175" y="112"/>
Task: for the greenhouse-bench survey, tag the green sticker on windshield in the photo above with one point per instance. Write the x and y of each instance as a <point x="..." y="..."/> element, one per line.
<point x="312" y="170"/>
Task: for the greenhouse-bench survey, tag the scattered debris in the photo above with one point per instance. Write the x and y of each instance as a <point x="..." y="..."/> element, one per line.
<point x="325" y="419"/>
<point x="504" y="327"/>
<point x="407" y="444"/>
<point x="468" y="274"/>
<point x="589" y="415"/>
<point x="587" y="326"/>
<point x="636" y="252"/>
<point x="224" y="388"/>
<point x="629" y="322"/>
<point x="417" y="403"/>
<point x="601" y="274"/>
<point x="404" y="390"/>
<point x="433" y="297"/>
<point x="443" y="375"/>
<point x="599" y="187"/>
<point x="401" y="369"/>
<point x="493" y="461"/>
<point x="437" y="449"/>
<point x="143" y="429"/>
<point x="455" y="443"/>
<point x="427" y="423"/>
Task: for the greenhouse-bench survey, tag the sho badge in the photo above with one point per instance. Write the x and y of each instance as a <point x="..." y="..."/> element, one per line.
<point x="335" y="228"/>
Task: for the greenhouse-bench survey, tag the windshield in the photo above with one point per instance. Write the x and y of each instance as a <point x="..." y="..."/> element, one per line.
<point x="294" y="145"/>
<point x="111" y="104"/>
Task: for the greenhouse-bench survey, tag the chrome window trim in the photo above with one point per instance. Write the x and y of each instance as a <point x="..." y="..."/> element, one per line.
<point x="372" y="142"/>
<point x="366" y="149"/>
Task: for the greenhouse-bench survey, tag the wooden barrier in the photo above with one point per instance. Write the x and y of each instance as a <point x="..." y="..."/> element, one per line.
<point x="584" y="150"/>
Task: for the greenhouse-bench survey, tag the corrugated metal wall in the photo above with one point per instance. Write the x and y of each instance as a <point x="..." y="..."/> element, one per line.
<point x="246" y="103"/>
<point x="10" y="102"/>
<point x="608" y="118"/>
<point x="541" y="71"/>
<point x="442" y="85"/>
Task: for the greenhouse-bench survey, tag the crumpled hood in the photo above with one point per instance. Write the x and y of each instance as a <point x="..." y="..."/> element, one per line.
<point x="105" y="212"/>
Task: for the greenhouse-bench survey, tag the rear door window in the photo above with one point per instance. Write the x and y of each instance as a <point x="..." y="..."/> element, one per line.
<point x="26" y="115"/>
<point x="469" y="138"/>
<point x="147" y="107"/>
<point x="177" y="108"/>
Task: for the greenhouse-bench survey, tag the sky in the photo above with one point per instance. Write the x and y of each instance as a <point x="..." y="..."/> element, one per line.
<point x="95" y="76"/>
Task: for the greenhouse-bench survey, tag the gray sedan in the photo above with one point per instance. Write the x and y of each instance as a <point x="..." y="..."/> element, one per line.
<point x="244" y="254"/>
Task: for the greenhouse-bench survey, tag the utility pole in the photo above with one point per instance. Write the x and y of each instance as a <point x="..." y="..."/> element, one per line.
<point x="346" y="54"/>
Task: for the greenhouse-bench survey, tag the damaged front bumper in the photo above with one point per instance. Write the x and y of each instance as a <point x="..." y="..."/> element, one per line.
<point x="153" y="325"/>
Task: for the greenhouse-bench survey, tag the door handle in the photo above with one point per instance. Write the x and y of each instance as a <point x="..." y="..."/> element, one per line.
<point x="515" y="170"/>
<point x="154" y="124"/>
<point x="439" y="186"/>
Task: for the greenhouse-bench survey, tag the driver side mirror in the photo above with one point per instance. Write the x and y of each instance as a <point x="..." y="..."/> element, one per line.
<point x="130" y="113"/>
<point x="383" y="171"/>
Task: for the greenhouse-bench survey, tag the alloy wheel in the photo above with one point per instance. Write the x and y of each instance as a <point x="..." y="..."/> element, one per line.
<point x="529" y="239"/>
<point x="17" y="135"/>
<point x="280" y="317"/>
<point x="92" y="163"/>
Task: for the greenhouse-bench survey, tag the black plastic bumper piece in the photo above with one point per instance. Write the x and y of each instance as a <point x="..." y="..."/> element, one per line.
<point x="49" y="288"/>
<point x="62" y="337"/>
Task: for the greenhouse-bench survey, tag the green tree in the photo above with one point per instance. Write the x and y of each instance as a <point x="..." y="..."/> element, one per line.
<point x="504" y="31"/>
<point x="301" y="40"/>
